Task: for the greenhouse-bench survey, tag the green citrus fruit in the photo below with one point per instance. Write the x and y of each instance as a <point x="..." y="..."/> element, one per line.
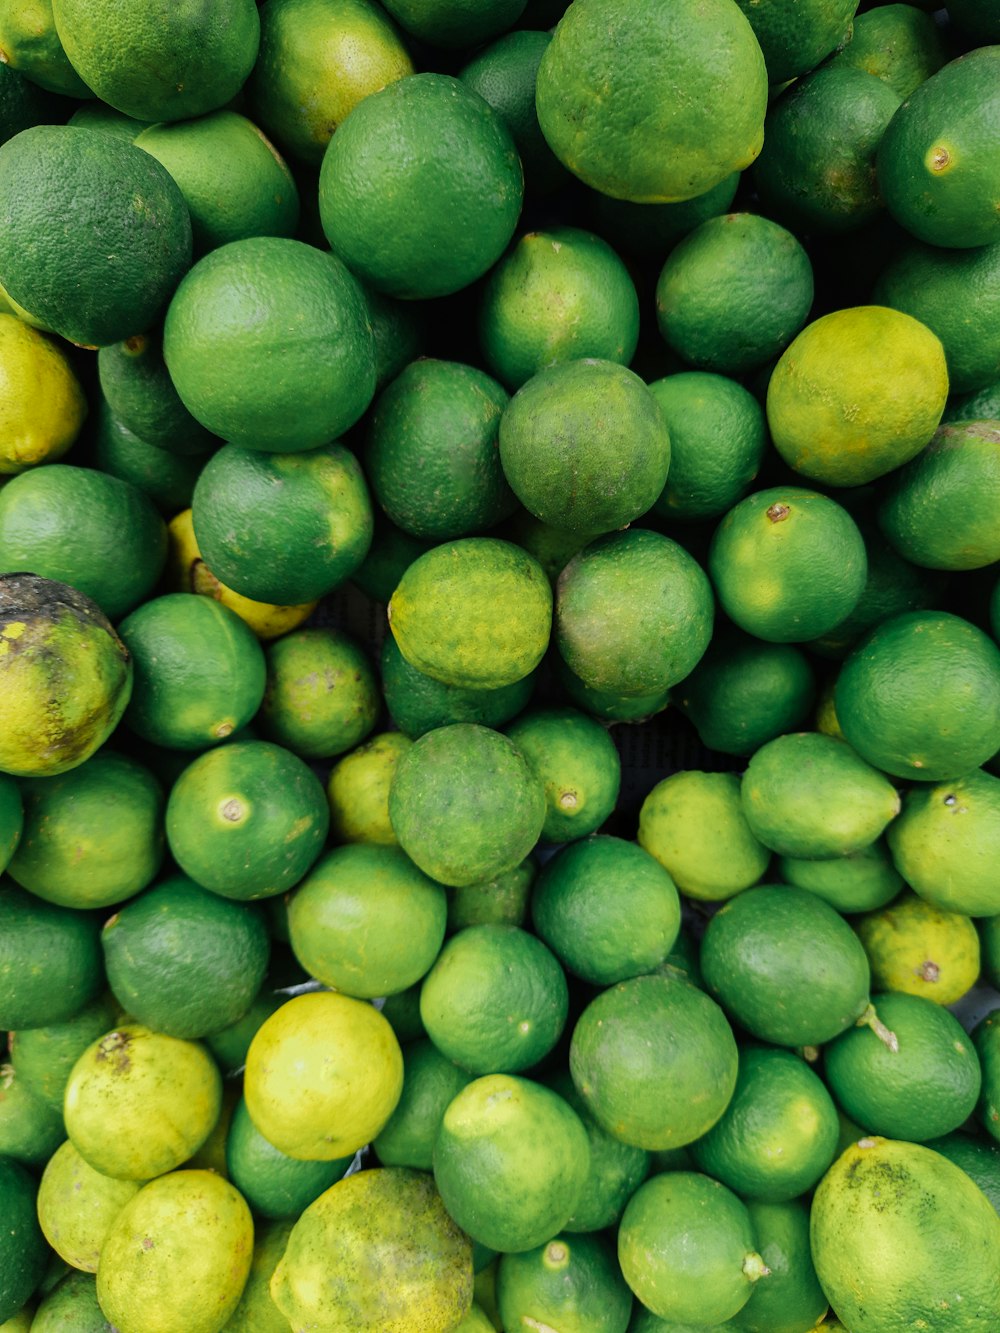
<point x="23" y="1250"/>
<point x="323" y="1075"/>
<point x="791" y="1300"/>
<point x="273" y="1184"/>
<point x="919" y="949"/>
<point x="692" y="78"/>
<point x="30" y="1131"/>
<point x="585" y="447"/>
<point x="229" y="1044"/>
<point x="168" y="67"/>
<point x="938" y="157"/>
<point x="31" y="46"/>
<point x="140" y="393"/>
<point x="578" y="763"/>
<point x="451" y="23"/>
<point x="421" y="188"/>
<point x="366" y="921"/>
<point x="431" y="456"/>
<point x="49" y="960"/>
<point x="500" y="901"/>
<point x="430" y="1083"/>
<point x="43" y="1057"/>
<point x="655" y="1061"/>
<point x="77" y="1205"/>
<point x="649" y="231"/>
<point x="269" y="344"/>
<point x="794" y="41"/>
<point x="977" y="1157"/>
<point x="234" y="182"/>
<point x="934" y="1231"/>
<point x="177" y="1255"/>
<point x="321" y="696"/>
<point x="557" y="295"/>
<point x="66" y="676"/>
<point x="256" y="1311"/>
<point x="859" y="882"/>
<point x="734" y="293"/>
<point x="95" y="234"/>
<point x="92" y="836"/>
<point x="374" y="1223"/>
<point x="571" y="1282"/>
<point x="633" y="613"/>
<point x="358" y="789"/>
<point x="919" y="697"/>
<point x="168" y="479"/>
<point x="475" y="613"/>
<point x="778" y="1135"/>
<point x="199" y="671"/>
<point x="11" y="819"/>
<point x="511" y="1161"/>
<point x="687" y="1248"/>
<point x="43" y="403"/>
<point x="72" y="1303"/>
<point x="786" y="966"/>
<point x="898" y="43"/>
<point x="694" y="824"/>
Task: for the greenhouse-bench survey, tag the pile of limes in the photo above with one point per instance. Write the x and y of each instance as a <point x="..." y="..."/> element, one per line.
<point x="499" y="669"/>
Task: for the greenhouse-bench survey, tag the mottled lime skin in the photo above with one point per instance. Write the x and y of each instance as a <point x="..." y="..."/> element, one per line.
<point x="571" y="1282"/>
<point x="358" y="789"/>
<point x="475" y="613"/>
<point x="373" y="1223"/>
<point x="72" y="1304"/>
<point x="137" y="387"/>
<point x="65" y="677"/>
<point x="791" y="1297"/>
<point x="465" y="805"/>
<point x="321" y="697"/>
<point x="898" y="43"/>
<point x="77" y="1205"/>
<point x="49" y="960"/>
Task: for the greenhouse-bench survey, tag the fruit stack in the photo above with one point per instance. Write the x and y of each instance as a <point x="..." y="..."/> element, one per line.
<point x="499" y="680"/>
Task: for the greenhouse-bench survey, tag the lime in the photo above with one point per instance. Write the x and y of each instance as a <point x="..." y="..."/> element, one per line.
<point x="374" y="1223"/>
<point x="177" y="1255"/>
<point x="449" y="23"/>
<point x="786" y="966"/>
<point x="795" y="42"/>
<point x="898" y="43"/>
<point x="687" y="1248"/>
<point x="50" y="963"/>
<point x="323" y="1075"/>
<point x="919" y="697"/>
<point x="693" y="78"/>
<point x="501" y="901"/>
<point x="778" y="1135"/>
<point x="366" y="921"/>
<point x="465" y="805"/>
<point x="421" y="188"/>
<point x="72" y="1303"/>
<point x="557" y="295"/>
<point x="859" y="882"/>
<point x="978" y="1158"/>
<point x="256" y="1311"/>
<point x="273" y="1184"/>
<point x="358" y="789"/>
<point x="571" y="1282"/>
<point x="578" y="763"/>
<point x="655" y="1061"/>
<point x="787" y="564"/>
<point x="43" y="403"/>
<point x="495" y="1001"/>
<point x="430" y="1083"/>
<point x="791" y="1300"/>
<point x="584" y="446"/>
<point x="920" y="949"/>
<point x="648" y="231"/>
<point x="43" y="1057"/>
<point x="321" y="696"/>
<point x="606" y="909"/>
<point x="77" y="1205"/>
<point x="511" y="1162"/>
<point x="986" y="1039"/>
<point x="138" y="389"/>
<point x="168" y="479"/>
<point x="30" y="1131"/>
<point x="269" y="345"/>
<point x="31" y="45"/>
<point x="734" y="293"/>
<point x="22" y="1247"/>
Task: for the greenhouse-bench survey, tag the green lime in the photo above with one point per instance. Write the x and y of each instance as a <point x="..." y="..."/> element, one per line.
<point x="358" y="789"/>
<point x="229" y="1044"/>
<point x="366" y="921"/>
<point x="584" y="446"/>
<point x="465" y="804"/>
<point x="317" y="61"/>
<point x="919" y="697"/>
<point x="455" y="23"/>
<point x="694" y="79"/>
<point x="72" y="1304"/>
<point x="939" y="154"/>
<point x="495" y="1001"/>
<point x="986" y="1039"/>
<point x="606" y="909"/>
<point x="44" y="405"/>
<point x="558" y="295"/>
<point x="183" y="960"/>
<point x="31" y="44"/>
<point x="745" y="692"/>
<point x="475" y="613"/>
<point x="399" y="329"/>
<point x="418" y="703"/>
<point x="269" y="344"/>
<point x="321" y="696"/>
<point x="421" y="188"/>
<point x="402" y="1012"/>
<point x="791" y="1300"/>
<point x="649" y="231"/>
<point x="369" y="1226"/>
<point x="694" y="824"/>
<point x="734" y="293"/>
<point x="787" y="564"/>
<point x="95" y="234"/>
<point x="23" y="1252"/>
<point x="11" y="819"/>
<point x="501" y="901"/>
<point x="139" y="1103"/>
<point x="779" y="1133"/>
<point x="431" y="456"/>
<point x="633" y="613"/>
<point x="859" y="882"/>
<point x="77" y="1205"/>
<point x="717" y="442"/>
<point x="30" y="1131"/>
<point x="786" y="966"/>
<point x="578" y="763"/>
<point x="796" y="41"/>
<point x="817" y="168"/>
<point x="934" y="1227"/>
<point x="898" y="43"/>
<point x="977" y="1157"/>
<point x="256" y="1311"/>
<point x="920" y="949"/>
<point x="612" y="705"/>
<point x="655" y="1061"/>
<point x="167" y="479"/>
<point x="247" y="820"/>
<point x="430" y="1083"/>
<point x="511" y="1162"/>
<point x="199" y="671"/>
<point x="138" y="389"/>
<point x="50" y="965"/>
<point x="687" y="1248"/>
<point x="915" y="1078"/>
<point x="43" y="1057"/>
<point x="273" y="1184"/>
<point x="570" y="1282"/>
<point x="92" y="836"/>
<point x="323" y="1075"/>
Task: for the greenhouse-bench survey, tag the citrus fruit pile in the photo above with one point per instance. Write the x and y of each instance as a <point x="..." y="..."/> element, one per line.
<point x="499" y="667"/>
